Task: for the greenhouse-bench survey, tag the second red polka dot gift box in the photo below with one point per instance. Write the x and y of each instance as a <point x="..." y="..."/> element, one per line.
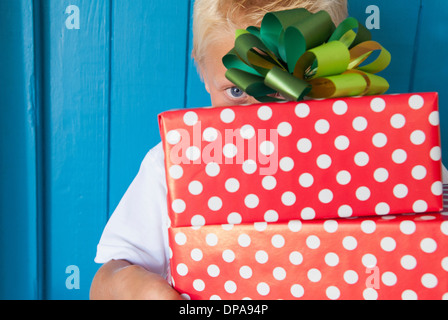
<point x="316" y="159"/>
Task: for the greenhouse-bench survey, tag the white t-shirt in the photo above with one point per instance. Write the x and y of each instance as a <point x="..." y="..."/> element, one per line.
<point x="138" y="229"/>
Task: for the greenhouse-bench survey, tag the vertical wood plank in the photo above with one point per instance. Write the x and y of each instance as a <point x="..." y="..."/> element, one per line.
<point x="75" y="111"/>
<point x="430" y="72"/>
<point x="148" y="77"/>
<point x="18" y="203"/>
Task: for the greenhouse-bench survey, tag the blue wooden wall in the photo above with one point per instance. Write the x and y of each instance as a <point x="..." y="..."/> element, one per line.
<point x="78" y="113"/>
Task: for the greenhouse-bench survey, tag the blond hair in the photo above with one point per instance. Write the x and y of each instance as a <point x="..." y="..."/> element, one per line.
<point x="213" y="19"/>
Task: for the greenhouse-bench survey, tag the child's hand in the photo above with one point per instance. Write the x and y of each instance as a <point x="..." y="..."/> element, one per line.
<point x="120" y="280"/>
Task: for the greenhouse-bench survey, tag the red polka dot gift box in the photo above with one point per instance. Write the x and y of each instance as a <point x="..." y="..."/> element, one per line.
<point x="253" y="190"/>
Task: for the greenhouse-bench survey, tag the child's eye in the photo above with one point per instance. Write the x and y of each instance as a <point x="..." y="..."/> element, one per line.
<point x="235" y="92"/>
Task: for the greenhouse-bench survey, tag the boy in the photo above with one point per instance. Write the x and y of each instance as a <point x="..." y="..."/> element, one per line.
<point x="134" y="245"/>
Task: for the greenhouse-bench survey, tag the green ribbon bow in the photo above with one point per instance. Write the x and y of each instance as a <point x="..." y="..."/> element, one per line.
<point x="296" y="53"/>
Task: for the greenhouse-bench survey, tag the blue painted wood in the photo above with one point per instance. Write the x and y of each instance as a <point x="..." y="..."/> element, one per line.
<point x="148" y="76"/>
<point x="18" y="203"/>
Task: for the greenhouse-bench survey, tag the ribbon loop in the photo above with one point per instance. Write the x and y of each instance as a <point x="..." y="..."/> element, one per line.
<point x="297" y="53"/>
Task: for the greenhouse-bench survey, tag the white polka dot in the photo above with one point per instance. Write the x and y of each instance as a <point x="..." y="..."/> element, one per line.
<point x="306" y="180"/>
<point x="408" y="262"/>
<point x="295" y="225"/>
<point x="197" y="220"/>
<point x="436" y="153"/>
<point x="323" y="161"/>
<point x="368" y="226"/>
<point x="193" y="153"/>
<point x="345" y="211"/>
<point x="249" y="166"/>
<point x="198" y="285"/>
<point x="228" y="255"/>
<point x="278" y="241"/>
<point x="173" y="137"/>
<point x="267" y="148"/>
<point x="212" y="169"/>
<point x="419" y="172"/>
<point x="416" y="102"/>
<point x="229" y="150"/>
<point x="445" y="263"/>
<point x="397" y="121"/>
<point x="437" y="188"/>
<point x="325" y="196"/>
<point x="227" y="115"/>
<point x="362" y="193"/>
<point x="251" y="201"/>
<point x="331" y="259"/>
<point x="288" y="198"/>
<point x="302" y="110"/>
<point x="215" y="203"/>
<point x="420" y="206"/>
<point x="378" y="104"/>
<point x="322" y="126"/>
<point x="190" y="118"/>
<point x="444" y="228"/>
<point x="246" y="272"/>
<point x="359" y="124"/>
<point x="264" y="113"/>
<point x="263" y="288"/>
<point x="409" y="295"/>
<point x="314" y="275"/>
<point x="341" y="143"/>
<point x="340" y="107"/>
<point x="284" y="129"/>
<point x="381" y="175"/>
<point x="295" y="258"/>
<point x="313" y="242"/>
<point x="247" y="132"/>
<point x="379" y="140"/>
<point x="271" y="216"/>
<point x="343" y="177"/>
<point x="429" y="280"/>
<point x="308" y="214"/>
<point x="349" y="243"/>
<point x="369" y="260"/>
<point x="196" y="254"/>
<point x="180" y="238"/>
<point x="382" y="208"/>
<point x="428" y="245"/>
<point x="261" y="256"/>
<point x="279" y="273"/>
<point x="434" y="118"/>
<point x="182" y="269"/>
<point x="330" y="226"/>
<point x="286" y="164"/>
<point x="297" y="291"/>
<point x="234" y="218"/>
<point x="244" y="240"/>
<point x="232" y="185"/>
<point x="418" y="137"/>
<point x="400" y="191"/>
<point x="211" y="239"/>
<point x="399" y="156"/>
<point x="388" y="244"/>
<point x="361" y="159"/>
<point x="370" y="294"/>
<point x="210" y="134"/>
<point x="407" y="227"/>
<point x="351" y="277"/>
<point x="213" y="270"/>
<point x="230" y="286"/>
<point x="389" y="278"/>
<point x="176" y="172"/>
<point x="269" y="182"/>
<point x="304" y="145"/>
<point x="178" y="206"/>
<point x="333" y="293"/>
<point x="195" y="187"/>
